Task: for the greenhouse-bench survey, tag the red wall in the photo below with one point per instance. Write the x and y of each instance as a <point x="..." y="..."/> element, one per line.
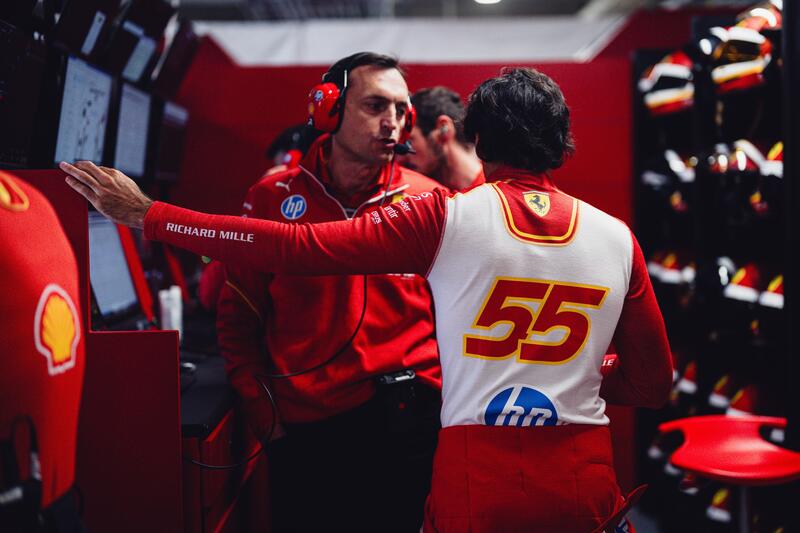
<point x="237" y="111"/>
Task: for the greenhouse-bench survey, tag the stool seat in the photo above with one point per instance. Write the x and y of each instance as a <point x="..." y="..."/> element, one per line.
<point x="730" y="449"/>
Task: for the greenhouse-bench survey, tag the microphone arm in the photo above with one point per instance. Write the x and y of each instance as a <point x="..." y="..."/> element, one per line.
<point x="403" y="148"/>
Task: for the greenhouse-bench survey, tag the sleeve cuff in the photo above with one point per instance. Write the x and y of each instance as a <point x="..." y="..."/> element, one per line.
<point x="151" y="219"/>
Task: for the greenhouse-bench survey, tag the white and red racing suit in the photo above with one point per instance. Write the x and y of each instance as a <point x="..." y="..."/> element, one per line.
<point x="530" y="287"/>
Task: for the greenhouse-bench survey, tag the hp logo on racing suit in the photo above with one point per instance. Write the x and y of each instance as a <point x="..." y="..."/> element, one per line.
<point x="520" y="406"/>
<point x="293" y="207"/>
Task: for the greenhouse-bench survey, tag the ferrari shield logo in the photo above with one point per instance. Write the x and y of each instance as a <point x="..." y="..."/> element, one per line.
<point x="538" y="202"/>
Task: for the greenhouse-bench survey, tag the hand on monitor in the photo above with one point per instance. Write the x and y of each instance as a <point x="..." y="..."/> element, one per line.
<point x="110" y="191"/>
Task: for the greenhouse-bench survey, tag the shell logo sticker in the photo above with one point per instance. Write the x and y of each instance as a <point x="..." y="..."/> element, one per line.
<point x="56" y="329"/>
<point x="11" y="196"/>
<point x="538" y="202"/>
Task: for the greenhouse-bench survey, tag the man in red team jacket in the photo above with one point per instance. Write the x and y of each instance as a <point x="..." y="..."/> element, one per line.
<point x="442" y="150"/>
<point x="41" y="364"/>
<point x="351" y="445"/>
<point x="531" y="286"/>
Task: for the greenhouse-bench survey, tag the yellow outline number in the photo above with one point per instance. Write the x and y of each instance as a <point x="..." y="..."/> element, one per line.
<point x="558" y="309"/>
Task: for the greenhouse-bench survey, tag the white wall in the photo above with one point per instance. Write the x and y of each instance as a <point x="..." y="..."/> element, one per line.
<point x="321" y="42"/>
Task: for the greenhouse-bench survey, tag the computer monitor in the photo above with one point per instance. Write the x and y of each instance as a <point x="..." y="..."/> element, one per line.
<point x="171" y="138"/>
<point x="22" y="68"/>
<point x="84" y="113"/>
<point x="84" y="26"/>
<point x="132" y="49"/>
<point x="176" y="62"/>
<point x="132" y="127"/>
<point x="109" y="275"/>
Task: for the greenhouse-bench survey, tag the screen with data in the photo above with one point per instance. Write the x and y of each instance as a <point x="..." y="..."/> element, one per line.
<point x="109" y="274"/>
<point x="84" y="113"/>
<point x="132" y="127"/>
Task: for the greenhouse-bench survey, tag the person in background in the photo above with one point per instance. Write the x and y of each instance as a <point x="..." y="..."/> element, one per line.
<point x="289" y="147"/>
<point x="353" y="360"/>
<point x="546" y="282"/>
<point x="442" y="150"/>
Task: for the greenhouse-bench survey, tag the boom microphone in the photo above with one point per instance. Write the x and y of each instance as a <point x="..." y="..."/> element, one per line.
<point x="403" y="148"/>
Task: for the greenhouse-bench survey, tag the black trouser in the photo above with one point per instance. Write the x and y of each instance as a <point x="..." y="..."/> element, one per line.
<point x="368" y="469"/>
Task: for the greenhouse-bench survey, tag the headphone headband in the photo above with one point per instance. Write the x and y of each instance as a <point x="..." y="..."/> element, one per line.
<point x="326" y="101"/>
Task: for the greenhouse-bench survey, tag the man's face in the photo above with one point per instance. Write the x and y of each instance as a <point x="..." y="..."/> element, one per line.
<point x="375" y="112"/>
<point x="429" y="157"/>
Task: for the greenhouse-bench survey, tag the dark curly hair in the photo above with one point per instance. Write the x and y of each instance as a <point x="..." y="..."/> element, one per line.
<point x="520" y="119"/>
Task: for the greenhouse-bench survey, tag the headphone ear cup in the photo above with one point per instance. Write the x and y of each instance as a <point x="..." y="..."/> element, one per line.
<point x="411" y="119"/>
<point x="292" y="158"/>
<point x="323" y="107"/>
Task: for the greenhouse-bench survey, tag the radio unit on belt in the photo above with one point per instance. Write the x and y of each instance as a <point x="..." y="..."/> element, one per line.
<point x="396" y="377"/>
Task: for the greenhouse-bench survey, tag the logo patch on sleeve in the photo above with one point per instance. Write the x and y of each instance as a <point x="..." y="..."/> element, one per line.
<point x="293" y="207"/>
<point x="520" y="406"/>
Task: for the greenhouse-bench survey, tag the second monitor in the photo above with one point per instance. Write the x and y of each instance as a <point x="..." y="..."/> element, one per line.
<point x="132" y="127"/>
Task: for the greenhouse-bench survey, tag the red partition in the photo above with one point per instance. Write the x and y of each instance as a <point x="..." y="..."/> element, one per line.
<point x="128" y="464"/>
<point x="129" y="442"/>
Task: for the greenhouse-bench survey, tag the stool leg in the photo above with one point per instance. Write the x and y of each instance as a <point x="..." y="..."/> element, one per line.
<point x="744" y="510"/>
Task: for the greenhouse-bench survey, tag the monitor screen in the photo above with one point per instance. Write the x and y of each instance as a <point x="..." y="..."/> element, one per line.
<point x="84" y="26"/>
<point x="84" y="113"/>
<point x="170" y="142"/>
<point x="22" y="67"/>
<point x="176" y="61"/>
<point x="132" y="49"/>
<point x="132" y="127"/>
<point x="109" y="275"/>
<point x="141" y="55"/>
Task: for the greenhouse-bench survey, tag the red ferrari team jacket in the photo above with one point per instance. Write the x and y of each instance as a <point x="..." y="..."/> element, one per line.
<point x="300" y="321"/>
<point x="41" y="366"/>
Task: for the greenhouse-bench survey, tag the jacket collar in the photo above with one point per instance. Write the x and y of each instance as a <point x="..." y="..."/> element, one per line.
<point x="509" y="173"/>
<point x="316" y="162"/>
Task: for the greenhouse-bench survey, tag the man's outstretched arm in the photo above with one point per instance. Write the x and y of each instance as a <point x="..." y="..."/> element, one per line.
<point x="400" y="237"/>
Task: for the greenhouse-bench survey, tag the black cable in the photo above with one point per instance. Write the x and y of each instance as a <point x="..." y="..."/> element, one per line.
<point x="262" y="443"/>
<point x="81" y="499"/>
<point x="352" y="337"/>
<point x="339" y="352"/>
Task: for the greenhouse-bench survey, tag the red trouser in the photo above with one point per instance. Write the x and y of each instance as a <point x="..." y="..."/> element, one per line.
<point x="507" y="479"/>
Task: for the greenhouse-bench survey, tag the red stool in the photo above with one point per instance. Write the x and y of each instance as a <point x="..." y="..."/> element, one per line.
<point x="730" y="449"/>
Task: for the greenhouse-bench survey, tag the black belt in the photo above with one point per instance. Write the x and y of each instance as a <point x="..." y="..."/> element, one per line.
<point x="392" y="397"/>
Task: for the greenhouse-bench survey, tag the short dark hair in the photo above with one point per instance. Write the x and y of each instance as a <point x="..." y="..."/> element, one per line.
<point x="433" y="102"/>
<point x="520" y="119"/>
<point x="347" y="64"/>
<point x="299" y="137"/>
